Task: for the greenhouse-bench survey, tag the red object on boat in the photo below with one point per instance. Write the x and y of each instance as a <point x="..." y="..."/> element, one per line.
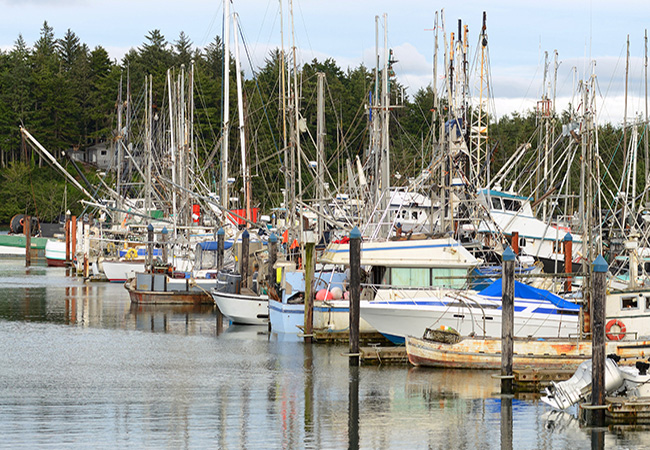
<point x="323" y="295"/>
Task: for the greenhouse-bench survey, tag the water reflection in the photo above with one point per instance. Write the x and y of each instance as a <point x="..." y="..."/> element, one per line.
<point x="506" y="422"/>
<point x="80" y="366"/>
<point x="353" y="407"/>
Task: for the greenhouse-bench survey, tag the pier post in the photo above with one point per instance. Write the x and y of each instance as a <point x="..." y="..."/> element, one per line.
<point x="243" y="264"/>
<point x="67" y="238"/>
<point x="85" y="232"/>
<point x="73" y="239"/>
<point x="27" y="230"/>
<point x="568" y="260"/>
<point x="598" y="392"/>
<point x="507" y="319"/>
<point x="164" y="234"/>
<point x="514" y="242"/>
<point x="273" y="257"/>
<point x="355" y="294"/>
<point x="150" y="247"/>
<point x="221" y="236"/>
<point x="310" y="247"/>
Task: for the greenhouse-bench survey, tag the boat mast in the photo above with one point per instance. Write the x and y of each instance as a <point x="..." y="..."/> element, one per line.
<point x="295" y="153"/>
<point x="283" y="99"/>
<point x="479" y="158"/>
<point x="320" y="155"/>
<point x="225" y="137"/>
<point x="385" y="149"/>
<point x="625" y="150"/>
<point x="172" y="151"/>
<point x="645" y="131"/>
<point x="434" y="113"/>
<point x="118" y="142"/>
<point x="242" y="131"/>
<point x="148" y="110"/>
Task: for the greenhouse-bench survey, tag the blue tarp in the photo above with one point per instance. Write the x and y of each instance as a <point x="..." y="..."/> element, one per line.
<point x="212" y="246"/>
<point x="525" y="291"/>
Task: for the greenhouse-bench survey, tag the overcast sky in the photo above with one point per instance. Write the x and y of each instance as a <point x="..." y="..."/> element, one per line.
<point x="519" y="33"/>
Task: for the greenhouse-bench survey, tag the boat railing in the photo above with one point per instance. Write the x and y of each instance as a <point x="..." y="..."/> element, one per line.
<point x="464" y="299"/>
<point x="434" y="290"/>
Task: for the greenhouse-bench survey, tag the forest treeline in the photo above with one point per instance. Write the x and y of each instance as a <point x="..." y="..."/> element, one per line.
<point x="66" y="95"/>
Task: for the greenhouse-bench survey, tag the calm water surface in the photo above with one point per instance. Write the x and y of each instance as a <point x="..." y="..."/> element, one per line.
<point x="81" y="368"/>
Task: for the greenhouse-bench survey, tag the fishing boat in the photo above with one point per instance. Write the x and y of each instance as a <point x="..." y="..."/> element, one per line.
<point x="55" y="253"/>
<point x="245" y="307"/>
<point x="287" y="313"/>
<point x="161" y="289"/>
<point x="165" y="285"/>
<point x="513" y="213"/>
<point x="413" y="265"/>
<point x="409" y="312"/>
<point x="485" y="353"/>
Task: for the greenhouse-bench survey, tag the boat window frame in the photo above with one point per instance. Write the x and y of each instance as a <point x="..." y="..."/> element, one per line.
<point x="634" y="302"/>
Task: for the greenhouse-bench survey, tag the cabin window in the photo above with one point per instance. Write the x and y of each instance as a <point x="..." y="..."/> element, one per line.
<point x="410" y="277"/>
<point x="404" y="214"/>
<point x="510" y="204"/>
<point x="414" y="215"/>
<point x="445" y="277"/>
<point x="496" y="203"/>
<point x="629" y="303"/>
<point x="647" y="303"/>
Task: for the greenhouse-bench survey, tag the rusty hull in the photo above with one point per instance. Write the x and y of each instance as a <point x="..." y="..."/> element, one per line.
<point x="169" y="297"/>
<point x="558" y="354"/>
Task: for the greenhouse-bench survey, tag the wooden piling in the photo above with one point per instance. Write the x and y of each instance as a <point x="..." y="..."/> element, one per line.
<point x="243" y="266"/>
<point x="164" y="234"/>
<point x="355" y="294"/>
<point x="514" y="241"/>
<point x="273" y="257"/>
<point x="67" y="240"/>
<point x="221" y="236"/>
<point x="27" y="230"/>
<point x="73" y="238"/>
<point x="568" y="262"/>
<point x="309" y="291"/>
<point x="507" y="320"/>
<point x="150" y="248"/>
<point x="598" y="392"/>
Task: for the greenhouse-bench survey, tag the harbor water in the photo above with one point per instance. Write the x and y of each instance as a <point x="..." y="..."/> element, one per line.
<point x="80" y="367"/>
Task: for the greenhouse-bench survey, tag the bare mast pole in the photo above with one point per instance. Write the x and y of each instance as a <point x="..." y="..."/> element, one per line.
<point x="283" y="99"/>
<point x="172" y="150"/>
<point x="645" y="131"/>
<point x="385" y="149"/>
<point x="320" y="163"/>
<point x="226" y="108"/>
<point x="625" y="151"/>
<point x="434" y="111"/>
<point x="147" y="187"/>
<point x="242" y="131"/>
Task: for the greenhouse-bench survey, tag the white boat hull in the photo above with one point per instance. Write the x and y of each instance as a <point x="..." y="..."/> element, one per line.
<point x="334" y="316"/>
<point x="412" y="316"/>
<point x="286" y="318"/>
<point x="55" y="253"/>
<point x="120" y="271"/>
<point x="243" y="309"/>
